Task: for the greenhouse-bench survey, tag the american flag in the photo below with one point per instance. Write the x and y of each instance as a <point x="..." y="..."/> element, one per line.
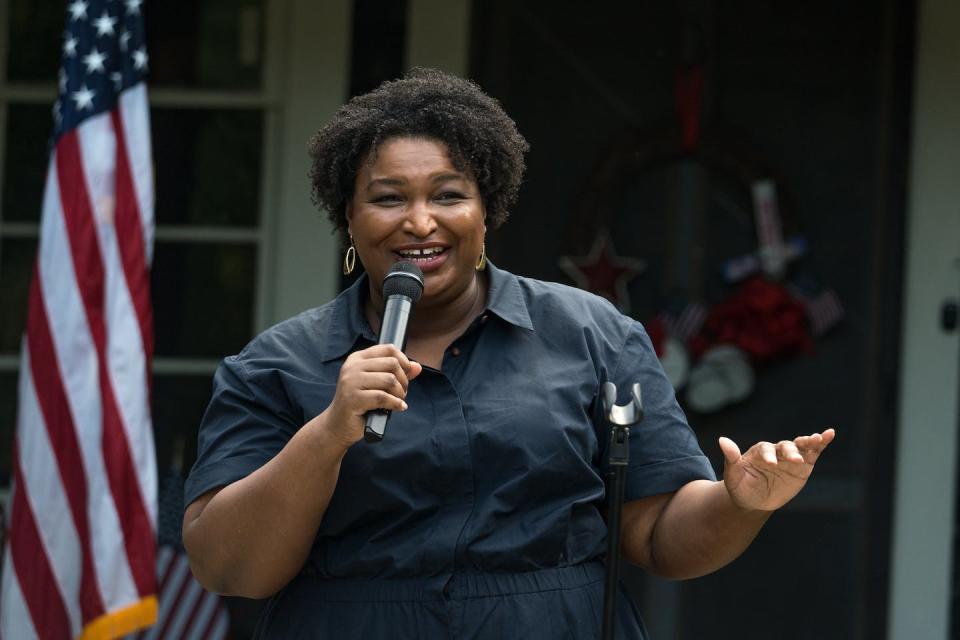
<point x="822" y="304"/>
<point x="688" y="322"/>
<point x="81" y="553"/>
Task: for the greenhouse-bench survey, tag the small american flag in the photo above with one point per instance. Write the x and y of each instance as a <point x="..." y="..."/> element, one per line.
<point x="824" y="311"/>
<point x="822" y="304"/>
<point x="80" y="559"/>
<point x="688" y="322"/>
<point x="187" y="611"/>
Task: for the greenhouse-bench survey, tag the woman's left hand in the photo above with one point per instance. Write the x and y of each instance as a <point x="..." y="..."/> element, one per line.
<point x="768" y="475"/>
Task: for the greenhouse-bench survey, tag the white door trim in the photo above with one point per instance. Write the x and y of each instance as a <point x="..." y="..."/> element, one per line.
<point x="922" y="546"/>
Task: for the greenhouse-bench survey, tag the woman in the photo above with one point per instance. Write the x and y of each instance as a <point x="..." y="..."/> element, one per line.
<point x="478" y="514"/>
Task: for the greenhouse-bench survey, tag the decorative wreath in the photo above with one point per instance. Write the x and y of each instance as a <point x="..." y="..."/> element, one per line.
<point x="725" y="292"/>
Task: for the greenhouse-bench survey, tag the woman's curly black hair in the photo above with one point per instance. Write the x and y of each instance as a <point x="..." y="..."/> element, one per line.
<point x="481" y="139"/>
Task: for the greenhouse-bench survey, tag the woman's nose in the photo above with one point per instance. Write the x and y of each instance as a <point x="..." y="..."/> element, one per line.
<point x="420" y="220"/>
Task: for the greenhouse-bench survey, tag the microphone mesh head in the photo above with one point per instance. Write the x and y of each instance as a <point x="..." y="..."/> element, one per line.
<point x="404" y="279"/>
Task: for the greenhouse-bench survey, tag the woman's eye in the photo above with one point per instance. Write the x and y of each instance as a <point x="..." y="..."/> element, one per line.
<point x="450" y="195"/>
<point x="386" y="199"/>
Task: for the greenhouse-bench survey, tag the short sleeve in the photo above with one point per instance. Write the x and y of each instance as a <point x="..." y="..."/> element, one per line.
<point x="664" y="452"/>
<point x="245" y="425"/>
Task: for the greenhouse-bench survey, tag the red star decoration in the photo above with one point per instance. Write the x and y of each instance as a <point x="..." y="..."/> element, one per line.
<point x="603" y="272"/>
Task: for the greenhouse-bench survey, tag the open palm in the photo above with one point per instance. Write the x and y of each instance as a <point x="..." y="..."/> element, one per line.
<point x="768" y="475"/>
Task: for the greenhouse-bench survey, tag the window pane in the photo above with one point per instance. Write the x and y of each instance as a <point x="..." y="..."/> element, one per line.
<point x="178" y="405"/>
<point x="214" y="44"/>
<point x="36" y="35"/>
<point x="203" y="297"/>
<point x="25" y="161"/>
<point x="211" y="44"/>
<point x="8" y="417"/>
<point x="16" y="267"/>
<point x="207" y="166"/>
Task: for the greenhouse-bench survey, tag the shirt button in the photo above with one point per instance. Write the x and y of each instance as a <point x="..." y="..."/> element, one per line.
<point x="455" y="352"/>
<point x="483" y="318"/>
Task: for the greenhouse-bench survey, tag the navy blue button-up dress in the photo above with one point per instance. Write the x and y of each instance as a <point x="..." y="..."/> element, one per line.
<point x="479" y="514"/>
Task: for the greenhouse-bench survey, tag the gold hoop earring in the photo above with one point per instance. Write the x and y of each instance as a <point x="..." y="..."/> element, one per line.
<point x="482" y="262"/>
<point x="350" y="259"/>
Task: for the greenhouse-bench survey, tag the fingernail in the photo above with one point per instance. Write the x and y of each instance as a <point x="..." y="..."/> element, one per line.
<point x="404" y="405"/>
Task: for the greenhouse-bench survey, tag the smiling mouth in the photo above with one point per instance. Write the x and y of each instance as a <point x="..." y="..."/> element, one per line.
<point x="421" y="255"/>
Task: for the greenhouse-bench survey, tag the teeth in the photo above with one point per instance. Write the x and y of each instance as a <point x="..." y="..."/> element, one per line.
<point x="421" y="253"/>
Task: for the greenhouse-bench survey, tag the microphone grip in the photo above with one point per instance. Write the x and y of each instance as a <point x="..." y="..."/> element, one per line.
<point x="393" y="330"/>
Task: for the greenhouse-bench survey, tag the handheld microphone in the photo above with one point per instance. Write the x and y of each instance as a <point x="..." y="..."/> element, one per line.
<point x="402" y="288"/>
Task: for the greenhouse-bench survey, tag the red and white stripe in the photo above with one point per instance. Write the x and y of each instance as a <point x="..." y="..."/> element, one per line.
<point x="83" y="527"/>
<point x="187" y="610"/>
<point x="769" y="228"/>
<point x="824" y="311"/>
<point x="767" y="214"/>
<point x="688" y="323"/>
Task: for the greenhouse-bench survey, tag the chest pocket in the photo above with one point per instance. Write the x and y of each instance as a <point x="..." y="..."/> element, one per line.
<point x="532" y="413"/>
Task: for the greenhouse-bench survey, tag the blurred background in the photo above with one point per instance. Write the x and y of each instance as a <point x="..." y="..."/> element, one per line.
<point x="656" y="124"/>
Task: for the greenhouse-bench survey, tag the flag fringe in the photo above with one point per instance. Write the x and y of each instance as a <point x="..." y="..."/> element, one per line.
<point x="134" y="617"/>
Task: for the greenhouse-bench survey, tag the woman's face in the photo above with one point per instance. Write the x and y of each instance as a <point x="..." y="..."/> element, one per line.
<point x="412" y="204"/>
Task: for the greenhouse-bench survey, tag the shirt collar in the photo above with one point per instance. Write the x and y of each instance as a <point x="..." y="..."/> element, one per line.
<point x="505" y="297"/>
<point x="348" y="324"/>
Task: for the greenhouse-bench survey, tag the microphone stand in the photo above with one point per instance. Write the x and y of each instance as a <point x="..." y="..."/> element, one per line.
<point x="621" y="418"/>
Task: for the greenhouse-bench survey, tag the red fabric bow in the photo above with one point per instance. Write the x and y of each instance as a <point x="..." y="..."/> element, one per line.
<point x="762" y="318"/>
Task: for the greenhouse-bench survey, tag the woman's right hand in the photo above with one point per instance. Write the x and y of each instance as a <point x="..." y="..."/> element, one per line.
<point x="374" y="378"/>
<point x="223" y="529"/>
